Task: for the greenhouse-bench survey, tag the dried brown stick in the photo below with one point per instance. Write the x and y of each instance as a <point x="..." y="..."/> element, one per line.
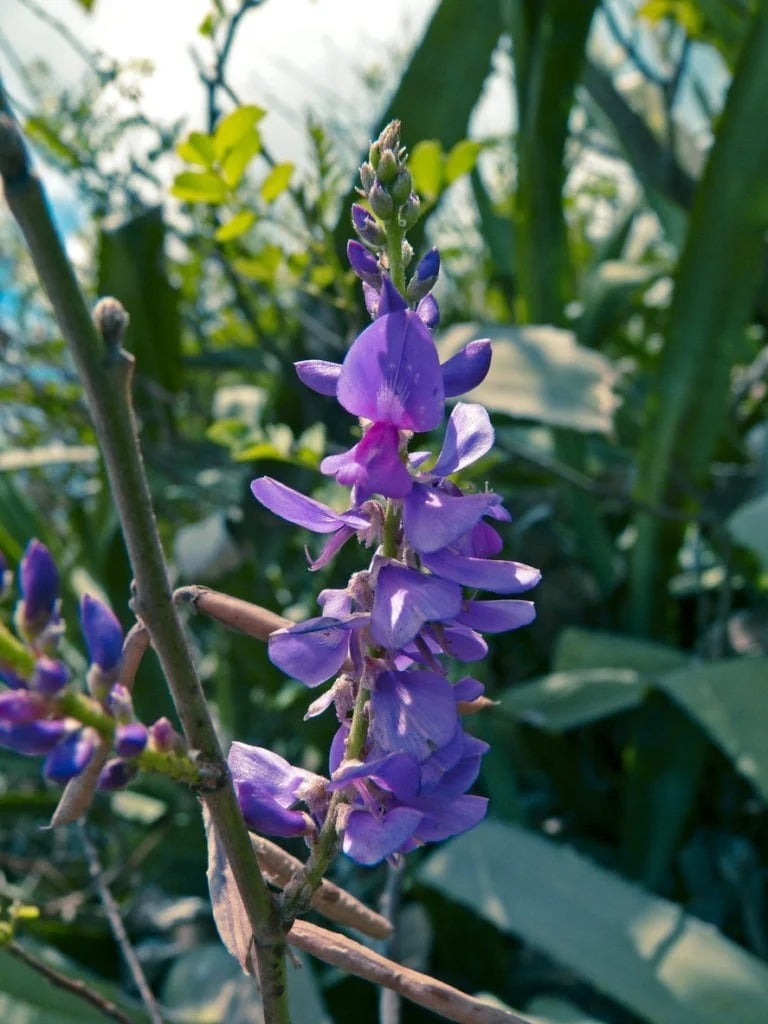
<point x="243" y="616"/>
<point x="354" y="958"/>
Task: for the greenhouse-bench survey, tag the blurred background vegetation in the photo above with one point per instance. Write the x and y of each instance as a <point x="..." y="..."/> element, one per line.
<point x="613" y="245"/>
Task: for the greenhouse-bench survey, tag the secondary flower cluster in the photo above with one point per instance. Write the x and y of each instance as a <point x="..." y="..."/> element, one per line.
<point x="401" y="757"/>
<point x="39" y="707"/>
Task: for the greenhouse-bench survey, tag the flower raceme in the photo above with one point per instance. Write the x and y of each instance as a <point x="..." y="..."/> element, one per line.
<point x="390" y="635"/>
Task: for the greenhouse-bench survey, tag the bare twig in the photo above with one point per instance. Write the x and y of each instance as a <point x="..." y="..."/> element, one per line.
<point x="239" y="615"/>
<point x="350" y="956"/>
<point x="75" y="986"/>
<point x="117" y="927"/>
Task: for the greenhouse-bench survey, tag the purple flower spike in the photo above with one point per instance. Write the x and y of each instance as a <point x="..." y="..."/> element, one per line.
<point x="433" y="519"/>
<point x="373" y="466"/>
<point x="70" y="756"/>
<point x="364" y="263"/>
<point x="319" y="375"/>
<point x="50" y="676"/>
<point x="103" y="633"/>
<point x="131" y="739"/>
<point x="467" y="368"/>
<point x="303" y="511"/>
<point x="392" y="374"/>
<point x="39" y="585"/>
<point x="405" y="600"/>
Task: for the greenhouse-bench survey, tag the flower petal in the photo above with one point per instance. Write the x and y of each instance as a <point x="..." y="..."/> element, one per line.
<point x="369" y="840"/>
<point x="391" y="374"/>
<point x="451" y="819"/>
<point x="496" y="616"/>
<point x="468" y="437"/>
<point x="404" y="600"/>
<point x="314" y="650"/>
<point x="433" y="519"/>
<point x="467" y="368"/>
<point x="414" y="712"/>
<point x="373" y="466"/>
<point x="483" y="573"/>
<point x="298" y="508"/>
<point x="319" y="375"/>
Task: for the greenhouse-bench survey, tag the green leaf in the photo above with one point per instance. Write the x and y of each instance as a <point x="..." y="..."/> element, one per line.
<point x="541" y="373"/>
<point x="235" y="226"/>
<point x="276" y="182"/>
<point x="747" y="526"/>
<point x="590" y="648"/>
<point x="645" y="952"/>
<point x="199" y="187"/>
<point x="262" y="266"/>
<point x="197" y="148"/>
<point x="565" y="700"/>
<point x="729" y="700"/>
<point x="461" y="160"/>
<point x="235" y="127"/>
<point x="426" y="166"/>
<point x="235" y="163"/>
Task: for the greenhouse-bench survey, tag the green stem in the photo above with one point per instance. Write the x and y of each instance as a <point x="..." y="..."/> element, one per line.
<point x="395" y="237"/>
<point x="105" y="372"/>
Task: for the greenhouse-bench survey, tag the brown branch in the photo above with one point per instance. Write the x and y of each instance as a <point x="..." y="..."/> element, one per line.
<point x="243" y="616"/>
<point x="352" y="957"/>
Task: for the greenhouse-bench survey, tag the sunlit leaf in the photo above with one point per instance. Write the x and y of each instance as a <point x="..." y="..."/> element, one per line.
<point x="426" y="167"/>
<point x="199" y="187"/>
<point x="647" y="953"/>
<point x="235" y="226"/>
<point x="262" y="266"/>
<point x="197" y="148"/>
<point x="235" y="163"/>
<point x="461" y="160"/>
<point x="276" y="182"/>
<point x="235" y="127"/>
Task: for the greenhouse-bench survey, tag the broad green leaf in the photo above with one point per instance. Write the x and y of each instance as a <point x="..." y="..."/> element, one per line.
<point x="262" y="266"/>
<point x="564" y="700"/>
<point x="590" y="648"/>
<point x="426" y="166"/>
<point x="553" y="1010"/>
<point x="748" y="525"/>
<point x="197" y="148"/>
<point x="235" y="163"/>
<point x="199" y="187"/>
<point x="541" y="373"/>
<point x="461" y="160"/>
<point x="235" y="226"/>
<point x="235" y="127"/>
<point x="276" y="182"/>
<point x="644" y="952"/>
<point x="729" y="700"/>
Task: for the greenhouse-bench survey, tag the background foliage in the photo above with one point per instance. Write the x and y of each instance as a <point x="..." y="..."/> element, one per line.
<point x="613" y="246"/>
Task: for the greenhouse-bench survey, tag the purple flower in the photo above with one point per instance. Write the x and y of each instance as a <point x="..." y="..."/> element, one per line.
<point x="364" y="263"/>
<point x="39" y="581"/>
<point x="116" y="774"/>
<point x="405" y="600"/>
<point x="268" y="788"/>
<point x="373" y="466"/>
<point x="103" y="633"/>
<point x="50" y="676"/>
<point x="392" y="374"/>
<point x="31" y="737"/>
<point x="22" y="706"/>
<point x="413" y="712"/>
<point x="130" y="739"/>
<point x="314" y="650"/>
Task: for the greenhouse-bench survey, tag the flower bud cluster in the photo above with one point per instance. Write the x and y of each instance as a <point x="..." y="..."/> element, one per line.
<point x="41" y="711"/>
<point x="401" y="760"/>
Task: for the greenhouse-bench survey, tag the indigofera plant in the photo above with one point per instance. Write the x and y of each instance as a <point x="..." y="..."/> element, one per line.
<point x="393" y="642"/>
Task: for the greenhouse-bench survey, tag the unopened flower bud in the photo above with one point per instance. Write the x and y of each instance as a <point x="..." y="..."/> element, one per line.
<point x="131" y="739"/>
<point x="410" y="211"/>
<point x="31" y="737"/>
<point x="364" y="263"/>
<point x="367" y="227"/>
<point x="21" y="706"/>
<point x="381" y="200"/>
<point x="429" y="312"/>
<point x="374" y="154"/>
<point x="39" y="582"/>
<point x="50" y="676"/>
<point x="424" y="277"/>
<point x="119" y="703"/>
<point x="164" y="738"/>
<point x="400" y="189"/>
<point x="69" y="757"/>
<point x="367" y="176"/>
<point x="116" y="774"/>
<point x="387" y="170"/>
<point x="103" y="634"/>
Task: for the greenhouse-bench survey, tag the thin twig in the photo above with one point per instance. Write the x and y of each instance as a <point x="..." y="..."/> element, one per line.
<point x="117" y="927"/>
<point x="75" y="986"/>
<point x="389" y="1000"/>
<point x="105" y="371"/>
<point x="354" y="958"/>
